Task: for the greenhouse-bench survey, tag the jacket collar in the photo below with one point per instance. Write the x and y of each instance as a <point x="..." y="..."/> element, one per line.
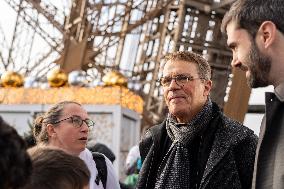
<point x="279" y="92"/>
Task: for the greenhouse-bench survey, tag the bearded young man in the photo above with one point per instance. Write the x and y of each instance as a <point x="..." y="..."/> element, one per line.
<point x="196" y="146"/>
<point x="255" y="30"/>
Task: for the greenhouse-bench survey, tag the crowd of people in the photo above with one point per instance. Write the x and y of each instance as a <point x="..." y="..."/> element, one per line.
<point x="56" y="155"/>
<point x="196" y="146"/>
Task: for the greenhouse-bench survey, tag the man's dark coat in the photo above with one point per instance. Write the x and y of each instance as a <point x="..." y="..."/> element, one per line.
<point x="228" y="160"/>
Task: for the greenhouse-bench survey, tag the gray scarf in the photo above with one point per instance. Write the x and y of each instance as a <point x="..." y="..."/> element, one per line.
<point x="175" y="169"/>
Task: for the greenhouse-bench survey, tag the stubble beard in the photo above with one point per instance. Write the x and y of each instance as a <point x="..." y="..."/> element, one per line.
<point x="259" y="66"/>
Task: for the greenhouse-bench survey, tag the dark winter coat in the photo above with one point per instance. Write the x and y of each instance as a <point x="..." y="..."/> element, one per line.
<point x="226" y="155"/>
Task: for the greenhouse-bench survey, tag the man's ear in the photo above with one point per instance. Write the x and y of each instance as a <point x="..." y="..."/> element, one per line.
<point x="50" y="130"/>
<point x="208" y="86"/>
<point x="267" y="32"/>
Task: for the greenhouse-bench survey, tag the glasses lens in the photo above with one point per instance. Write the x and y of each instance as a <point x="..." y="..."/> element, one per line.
<point x="77" y="121"/>
<point x="165" y="81"/>
<point x="181" y="79"/>
<point x="89" y="122"/>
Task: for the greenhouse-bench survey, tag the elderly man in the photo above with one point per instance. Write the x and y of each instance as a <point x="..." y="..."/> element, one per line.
<point x="255" y="30"/>
<point x="196" y="146"/>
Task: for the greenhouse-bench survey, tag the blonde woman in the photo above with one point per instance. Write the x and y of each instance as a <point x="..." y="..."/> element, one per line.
<point x="66" y="126"/>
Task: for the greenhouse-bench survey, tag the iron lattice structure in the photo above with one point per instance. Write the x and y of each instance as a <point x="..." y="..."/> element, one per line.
<point x="131" y="36"/>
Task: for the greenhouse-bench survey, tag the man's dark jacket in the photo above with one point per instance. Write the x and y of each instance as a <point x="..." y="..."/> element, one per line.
<point x="226" y="157"/>
<point x="269" y="163"/>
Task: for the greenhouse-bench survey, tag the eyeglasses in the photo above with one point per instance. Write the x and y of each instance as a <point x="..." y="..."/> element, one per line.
<point x="179" y="79"/>
<point x="78" y="121"/>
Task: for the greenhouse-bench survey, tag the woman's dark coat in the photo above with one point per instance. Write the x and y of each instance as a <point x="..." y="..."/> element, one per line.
<point x="228" y="163"/>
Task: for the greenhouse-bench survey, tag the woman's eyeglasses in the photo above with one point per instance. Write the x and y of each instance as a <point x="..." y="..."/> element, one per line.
<point x="78" y="121"/>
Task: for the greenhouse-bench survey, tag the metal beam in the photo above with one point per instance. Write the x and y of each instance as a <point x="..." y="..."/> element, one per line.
<point x="50" y="17"/>
<point x="207" y="8"/>
<point x="222" y="4"/>
<point x="198" y="5"/>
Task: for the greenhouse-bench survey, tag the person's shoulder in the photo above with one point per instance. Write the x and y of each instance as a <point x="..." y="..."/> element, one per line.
<point x="154" y="130"/>
<point x="109" y="165"/>
<point x="228" y="124"/>
<point x="234" y="124"/>
<point x="150" y="134"/>
<point x="86" y="151"/>
<point x="86" y="155"/>
<point x="232" y="130"/>
<point x="237" y="129"/>
<point x="102" y="158"/>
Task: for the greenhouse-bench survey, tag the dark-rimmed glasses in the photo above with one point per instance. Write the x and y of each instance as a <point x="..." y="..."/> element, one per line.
<point x="77" y="121"/>
<point x="179" y="79"/>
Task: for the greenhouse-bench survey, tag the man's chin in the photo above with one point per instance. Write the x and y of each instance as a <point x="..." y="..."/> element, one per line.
<point x="256" y="83"/>
<point x="177" y="111"/>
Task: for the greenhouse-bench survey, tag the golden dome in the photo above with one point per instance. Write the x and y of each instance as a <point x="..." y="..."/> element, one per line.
<point x="115" y="78"/>
<point x="12" y="79"/>
<point x="57" y="78"/>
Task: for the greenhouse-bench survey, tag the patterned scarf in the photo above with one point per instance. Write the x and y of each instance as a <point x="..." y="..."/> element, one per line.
<point x="175" y="169"/>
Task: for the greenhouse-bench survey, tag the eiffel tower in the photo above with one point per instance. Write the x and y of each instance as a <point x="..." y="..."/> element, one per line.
<point x="125" y="35"/>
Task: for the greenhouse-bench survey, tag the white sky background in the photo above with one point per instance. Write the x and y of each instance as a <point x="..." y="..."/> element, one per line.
<point x="8" y="19"/>
<point x="20" y="55"/>
<point x="257" y="97"/>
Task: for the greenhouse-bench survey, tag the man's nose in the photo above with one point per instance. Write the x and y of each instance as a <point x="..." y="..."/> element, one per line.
<point x="174" y="84"/>
<point x="235" y="62"/>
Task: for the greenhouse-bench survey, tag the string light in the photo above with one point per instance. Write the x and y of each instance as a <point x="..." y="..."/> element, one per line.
<point x="106" y="95"/>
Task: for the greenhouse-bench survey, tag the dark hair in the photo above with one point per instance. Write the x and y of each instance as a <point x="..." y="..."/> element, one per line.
<point x="204" y="69"/>
<point x="30" y="140"/>
<point x="15" y="163"/>
<point x="250" y="14"/>
<point x="101" y="148"/>
<point x="49" y="117"/>
<point x="55" y="169"/>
